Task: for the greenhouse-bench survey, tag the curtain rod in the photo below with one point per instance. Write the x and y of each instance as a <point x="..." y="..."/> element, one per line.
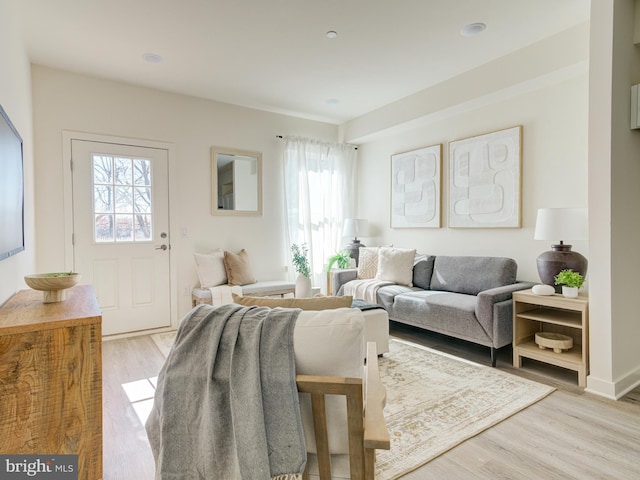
<point x="281" y="137"/>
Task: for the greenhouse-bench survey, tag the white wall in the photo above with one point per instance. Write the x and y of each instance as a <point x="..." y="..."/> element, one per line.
<point x="66" y="101"/>
<point x="15" y="98"/>
<point x="614" y="197"/>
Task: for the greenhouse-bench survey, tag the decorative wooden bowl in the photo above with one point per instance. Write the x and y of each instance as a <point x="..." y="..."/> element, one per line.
<point x="557" y="341"/>
<point x="52" y="285"/>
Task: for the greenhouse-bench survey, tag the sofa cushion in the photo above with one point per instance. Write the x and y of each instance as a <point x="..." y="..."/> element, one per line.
<point x="471" y="275"/>
<point x="386" y="294"/>
<point x="316" y="303"/>
<point x="210" y="267"/>
<point x="396" y="265"/>
<point x="423" y="271"/>
<point x="446" y="312"/>
<point x="268" y="287"/>
<point x="329" y="342"/>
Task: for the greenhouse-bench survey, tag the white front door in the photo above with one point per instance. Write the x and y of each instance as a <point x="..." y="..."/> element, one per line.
<point x="121" y="239"/>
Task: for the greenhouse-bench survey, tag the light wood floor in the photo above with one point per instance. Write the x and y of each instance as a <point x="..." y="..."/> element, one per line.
<point x="568" y="435"/>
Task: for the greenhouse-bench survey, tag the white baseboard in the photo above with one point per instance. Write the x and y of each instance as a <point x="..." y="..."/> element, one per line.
<point x="614" y="390"/>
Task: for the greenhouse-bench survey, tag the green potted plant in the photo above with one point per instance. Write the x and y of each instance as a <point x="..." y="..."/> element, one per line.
<point x="342" y="258"/>
<point x="571" y="282"/>
<point x="301" y="265"/>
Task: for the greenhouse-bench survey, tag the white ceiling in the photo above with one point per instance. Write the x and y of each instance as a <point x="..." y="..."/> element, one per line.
<point x="274" y="55"/>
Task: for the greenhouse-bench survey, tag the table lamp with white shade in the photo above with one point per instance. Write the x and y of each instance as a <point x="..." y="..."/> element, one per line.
<point x="560" y="224"/>
<point x="355" y="227"/>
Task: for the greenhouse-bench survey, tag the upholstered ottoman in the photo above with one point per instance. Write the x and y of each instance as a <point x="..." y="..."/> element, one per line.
<point x="376" y="328"/>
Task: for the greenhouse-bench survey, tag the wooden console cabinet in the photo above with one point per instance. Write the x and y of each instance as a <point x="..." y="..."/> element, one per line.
<point x="554" y="313"/>
<point x="51" y="377"/>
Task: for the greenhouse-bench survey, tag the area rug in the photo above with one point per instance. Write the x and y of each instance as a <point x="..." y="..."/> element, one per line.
<point x="435" y="401"/>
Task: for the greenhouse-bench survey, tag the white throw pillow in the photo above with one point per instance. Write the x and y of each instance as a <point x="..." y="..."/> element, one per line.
<point x="211" y="271"/>
<point x="367" y="262"/>
<point x="396" y="265"/>
<point x="329" y="342"/>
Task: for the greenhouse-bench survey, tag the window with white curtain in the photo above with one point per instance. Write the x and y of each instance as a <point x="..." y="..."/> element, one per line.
<point x="320" y="192"/>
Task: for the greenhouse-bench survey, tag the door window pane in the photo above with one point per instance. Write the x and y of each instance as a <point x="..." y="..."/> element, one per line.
<point x="142" y="200"/>
<point x="102" y="169"/>
<point x="122" y="171"/>
<point x="143" y="227"/>
<point x="141" y="172"/>
<point x="103" y="199"/>
<point x="124" y="228"/>
<point x="104" y="228"/>
<point x="124" y="200"/>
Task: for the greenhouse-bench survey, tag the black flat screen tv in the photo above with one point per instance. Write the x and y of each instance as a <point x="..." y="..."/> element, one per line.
<point x="11" y="189"/>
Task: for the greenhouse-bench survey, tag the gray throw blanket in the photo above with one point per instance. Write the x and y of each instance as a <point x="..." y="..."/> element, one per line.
<point x="226" y="403"/>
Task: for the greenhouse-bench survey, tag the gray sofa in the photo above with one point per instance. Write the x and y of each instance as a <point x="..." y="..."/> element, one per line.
<point x="463" y="297"/>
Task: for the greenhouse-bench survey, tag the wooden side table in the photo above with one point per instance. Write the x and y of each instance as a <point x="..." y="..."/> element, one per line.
<point x="51" y="377"/>
<point x="556" y="314"/>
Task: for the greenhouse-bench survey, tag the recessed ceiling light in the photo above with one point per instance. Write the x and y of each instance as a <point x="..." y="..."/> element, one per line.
<point x="332" y="34"/>
<point x="332" y="101"/>
<point x="472" y="29"/>
<point x="152" y="58"/>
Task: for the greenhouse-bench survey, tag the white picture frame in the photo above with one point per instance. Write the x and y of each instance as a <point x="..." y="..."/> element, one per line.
<point x="416" y="186"/>
<point x="485" y="180"/>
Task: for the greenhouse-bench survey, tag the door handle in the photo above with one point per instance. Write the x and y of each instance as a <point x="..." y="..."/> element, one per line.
<point x="161" y="247"/>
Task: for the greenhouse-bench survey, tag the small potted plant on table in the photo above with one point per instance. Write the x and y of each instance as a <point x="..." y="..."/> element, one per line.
<point x="571" y="282"/>
<point x="342" y="258"/>
<point x="301" y="265"/>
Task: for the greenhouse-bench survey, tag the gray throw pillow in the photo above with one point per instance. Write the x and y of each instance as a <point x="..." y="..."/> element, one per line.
<point x="422" y="272"/>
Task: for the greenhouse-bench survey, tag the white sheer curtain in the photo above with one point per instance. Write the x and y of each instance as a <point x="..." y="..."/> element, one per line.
<point x="320" y="192"/>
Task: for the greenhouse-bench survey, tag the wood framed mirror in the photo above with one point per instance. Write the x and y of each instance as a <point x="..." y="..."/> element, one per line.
<point x="236" y="182"/>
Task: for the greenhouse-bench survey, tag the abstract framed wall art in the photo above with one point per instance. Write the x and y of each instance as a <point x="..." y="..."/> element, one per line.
<point x="416" y="179"/>
<point x="485" y="180"/>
